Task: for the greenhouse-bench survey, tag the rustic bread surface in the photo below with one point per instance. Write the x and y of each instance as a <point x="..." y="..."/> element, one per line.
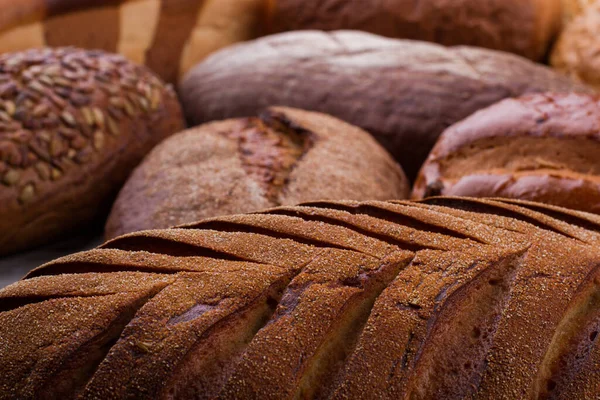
<point x="541" y="147"/>
<point x="403" y="92"/>
<point x="283" y="157"/>
<point x="447" y="298"/>
<point x="73" y="124"/>
<point x="524" y="27"/>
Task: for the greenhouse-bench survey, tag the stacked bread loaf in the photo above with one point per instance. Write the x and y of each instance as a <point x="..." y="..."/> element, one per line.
<point x="451" y="298"/>
<point x="405" y="93"/>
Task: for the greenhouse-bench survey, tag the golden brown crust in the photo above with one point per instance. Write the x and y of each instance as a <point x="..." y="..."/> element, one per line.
<point x="447" y="298"/>
<point x="284" y="157"/>
<point x="73" y="124"/>
<point x="540" y="148"/>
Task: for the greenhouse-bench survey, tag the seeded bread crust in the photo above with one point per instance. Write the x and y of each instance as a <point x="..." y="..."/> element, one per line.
<point x="446" y="298"/>
<point x="167" y="36"/>
<point x="403" y="92"/>
<point x="73" y="124"/>
<point x="521" y="27"/>
<point x="284" y="156"/>
<point x="541" y="148"/>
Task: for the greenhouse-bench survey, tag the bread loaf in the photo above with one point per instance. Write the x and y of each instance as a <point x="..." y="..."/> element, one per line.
<point x="169" y="36"/>
<point x="73" y="124"/>
<point x="541" y="147"/>
<point x="524" y="27"/>
<point x="403" y="92"/>
<point x="577" y="52"/>
<point x="283" y="157"/>
<point x="451" y="298"/>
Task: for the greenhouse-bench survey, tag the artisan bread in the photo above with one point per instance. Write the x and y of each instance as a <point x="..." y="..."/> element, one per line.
<point x="405" y="93"/>
<point x="168" y="36"/>
<point x="542" y="147"/>
<point x="327" y="300"/>
<point x="73" y="124"/>
<point x="524" y="27"/>
<point x="283" y="157"/>
<point x="577" y="52"/>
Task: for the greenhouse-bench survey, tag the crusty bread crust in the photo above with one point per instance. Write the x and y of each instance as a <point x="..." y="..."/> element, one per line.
<point x="446" y="298"/>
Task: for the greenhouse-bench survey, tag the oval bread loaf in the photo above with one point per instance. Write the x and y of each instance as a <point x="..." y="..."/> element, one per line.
<point x="448" y="299"/>
<point x="73" y="124"/>
<point x="283" y="157"/>
<point x="524" y="27"/>
<point x="541" y="147"/>
<point x="169" y="36"/>
<point x="577" y="52"/>
<point x="405" y="93"/>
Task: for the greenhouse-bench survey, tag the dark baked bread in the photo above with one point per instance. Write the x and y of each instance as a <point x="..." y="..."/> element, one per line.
<point x="541" y="147"/>
<point x="524" y="27"/>
<point x="169" y="36"/>
<point x="73" y="124"/>
<point x="403" y="92"/>
<point x="577" y="52"/>
<point x="448" y="299"/>
<point x="283" y="157"/>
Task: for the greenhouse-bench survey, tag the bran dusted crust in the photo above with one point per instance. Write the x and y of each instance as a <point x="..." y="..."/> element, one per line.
<point x="444" y="298"/>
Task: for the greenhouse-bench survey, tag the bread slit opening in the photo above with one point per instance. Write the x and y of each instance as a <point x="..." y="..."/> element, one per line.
<point x="573" y="340"/>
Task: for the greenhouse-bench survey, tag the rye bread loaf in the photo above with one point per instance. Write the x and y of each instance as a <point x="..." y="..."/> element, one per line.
<point x="451" y="298"/>
<point x="282" y="157"/>
<point x="577" y="52"/>
<point x="542" y="147"/>
<point x="524" y="27"/>
<point x="405" y="93"/>
<point x="73" y="124"/>
<point x="169" y="36"/>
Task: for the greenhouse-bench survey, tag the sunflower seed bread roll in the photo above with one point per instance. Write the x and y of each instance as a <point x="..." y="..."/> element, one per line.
<point x="330" y="300"/>
<point x="73" y="124"/>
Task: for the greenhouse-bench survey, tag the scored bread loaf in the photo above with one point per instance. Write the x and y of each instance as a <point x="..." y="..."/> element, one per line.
<point x="524" y="27"/>
<point x="450" y="298"/>
<point x="169" y="36"/>
<point x="403" y="92"/>
<point x="73" y="124"/>
<point x="542" y="147"/>
<point x="577" y="52"/>
<point x="282" y="157"/>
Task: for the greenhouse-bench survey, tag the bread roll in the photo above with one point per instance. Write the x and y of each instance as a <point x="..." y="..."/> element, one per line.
<point x="405" y="93"/>
<point x="577" y="52"/>
<point x="524" y="27"/>
<point x="168" y="36"/>
<point x="73" y="124"/>
<point x="541" y="147"/>
<point x="448" y="299"/>
<point x="283" y="157"/>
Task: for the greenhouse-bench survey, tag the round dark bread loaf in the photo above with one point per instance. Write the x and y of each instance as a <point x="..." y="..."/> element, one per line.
<point x="448" y="299"/>
<point x="542" y="147"/>
<point x="73" y="124"/>
<point x="577" y="52"/>
<point x="283" y="157"/>
<point x="524" y="27"/>
<point x="169" y="36"/>
<point x="405" y="93"/>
